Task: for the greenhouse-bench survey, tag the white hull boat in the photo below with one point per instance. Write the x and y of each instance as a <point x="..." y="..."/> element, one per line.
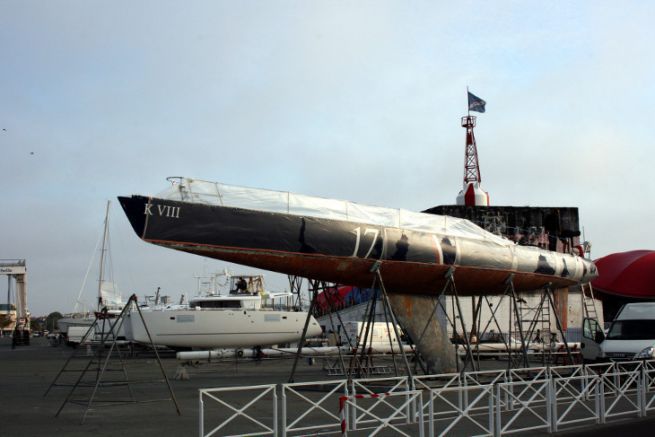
<point x="220" y="321"/>
<point x="65" y="323"/>
<point x="215" y="328"/>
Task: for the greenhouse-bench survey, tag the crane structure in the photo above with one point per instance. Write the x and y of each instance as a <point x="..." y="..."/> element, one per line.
<point x="472" y="194"/>
<point x="16" y="316"/>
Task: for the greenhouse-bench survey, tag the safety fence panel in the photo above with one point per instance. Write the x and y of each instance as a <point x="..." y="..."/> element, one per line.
<point x="575" y="400"/>
<point x="482" y="377"/>
<point x="565" y="371"/>
<point x="527" y="374"/>
<point x="621" y="394"/>
<point x="629" y="366"/>
<point x="428" y="382"/>
<point x="374" y="386"/>
<point x="378" y="420"/>
<point x="648" y="364"/>
<point x="569" y="371"/>
<point x="599" y="368"/>
<point x="474" y="417"/>
<point x="446" y="380"/>
<point x="524" y="374"/>
<point x="483" y="402"/>
<point x="529" y="409"/>
<point x="238" y="411"/>
<point x="314" y="406"/>
<point x="648" y="388"/>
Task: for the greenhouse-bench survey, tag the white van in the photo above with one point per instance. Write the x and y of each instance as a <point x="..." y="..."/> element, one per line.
<point x="631" y="335"/>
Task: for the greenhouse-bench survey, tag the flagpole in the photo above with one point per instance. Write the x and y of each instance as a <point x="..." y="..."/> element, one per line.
<point x="467" y="101"/>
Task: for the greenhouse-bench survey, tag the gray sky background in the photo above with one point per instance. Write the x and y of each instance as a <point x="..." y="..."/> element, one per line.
<point x="351" y="100"/>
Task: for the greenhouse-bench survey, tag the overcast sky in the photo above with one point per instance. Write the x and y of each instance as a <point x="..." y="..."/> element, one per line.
<point x="351" y="100"/>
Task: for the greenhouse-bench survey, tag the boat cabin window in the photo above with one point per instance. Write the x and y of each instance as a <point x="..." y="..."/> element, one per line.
<point x="216" y="304"/>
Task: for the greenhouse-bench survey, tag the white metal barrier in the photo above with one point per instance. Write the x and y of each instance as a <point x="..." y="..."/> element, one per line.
<point x="392" y="417"/>
<point x="527" y="374"/>
<point x="569" y="371"/>
<point x="316" y="411"/>
<point x="621" y="394"/>
<point x="598" y="368"/>
<point x="648" y="386"/>
<point x="529" y="408"/>
<point x="445" y="380"/>
<point x="575" y="400"/>
<point x="458" y="415"/>
<point x="482" y="378"/>
<point x="630" y="366"/>
<point x="372" y="386"/>
<point x="485" y="402"/>
<point x="248" y="423"/>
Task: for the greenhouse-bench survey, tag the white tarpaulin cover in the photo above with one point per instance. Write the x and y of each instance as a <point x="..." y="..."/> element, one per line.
<point x="214" y="193"/>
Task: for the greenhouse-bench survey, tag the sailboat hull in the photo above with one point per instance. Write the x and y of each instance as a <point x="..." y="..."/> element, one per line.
<point x="345" y="252"/>
<point x="218" y="328"/>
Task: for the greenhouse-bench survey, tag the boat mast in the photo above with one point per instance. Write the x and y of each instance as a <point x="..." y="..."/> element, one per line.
<point x="102" y="256"/>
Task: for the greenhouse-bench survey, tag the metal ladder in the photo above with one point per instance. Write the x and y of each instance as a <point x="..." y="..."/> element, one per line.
<point x="537" y="325"/>
<point x="535" y="318"/>
<point x="588" y="301"/>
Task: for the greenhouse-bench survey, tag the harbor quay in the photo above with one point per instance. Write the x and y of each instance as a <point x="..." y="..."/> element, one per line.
<point x="27" y="372"/>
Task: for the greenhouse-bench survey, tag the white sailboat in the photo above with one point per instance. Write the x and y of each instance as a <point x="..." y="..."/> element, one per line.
<point x="108" y="294"/>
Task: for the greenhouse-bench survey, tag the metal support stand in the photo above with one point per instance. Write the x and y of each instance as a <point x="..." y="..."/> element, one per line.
<point x="393" y="355"/>
<point x="475" y="329"/>
<point x="364" y="366"/>
<point x="516" y="329"/>
<point x="493" y="318"/>
<point x="301" y="343"/>
<point x="329" y="299"/>
<point x="356" y="366"/>
<point x="549" y="293"/>
<point x="295" y="285"/>
<point x="519" y="321"/>
<point x="542" y="313"/>
<point x="100" y="365"/>
<point x="467" y="344"/>
<point x="417" y="344"/>
<point x="385" y="301"/>
<point x="458" y="314"/>
<point x="452" y="322"/>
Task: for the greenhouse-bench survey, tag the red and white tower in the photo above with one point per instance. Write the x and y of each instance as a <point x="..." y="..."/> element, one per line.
<point x="472" y="194"/>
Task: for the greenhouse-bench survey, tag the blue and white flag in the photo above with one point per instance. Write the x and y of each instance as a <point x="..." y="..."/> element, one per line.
<point x="476" y="103"/>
